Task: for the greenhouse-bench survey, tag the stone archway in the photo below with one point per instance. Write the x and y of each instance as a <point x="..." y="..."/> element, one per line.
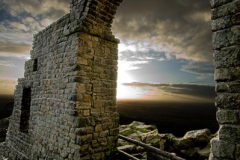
<point x="226" y="38"/>
<point x="73" y="86"/>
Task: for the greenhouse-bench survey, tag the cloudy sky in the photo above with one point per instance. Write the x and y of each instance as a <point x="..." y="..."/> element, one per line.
<point x="162" y="42"/>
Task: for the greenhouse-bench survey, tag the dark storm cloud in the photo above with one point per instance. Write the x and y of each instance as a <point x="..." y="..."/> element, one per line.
<point x="32" y="15"/>
<point x="21" y="19"/>
<point x="181" y="26"/>
<point x="5" y="15"/>
<point x="203" y="91"/>
<point x="37" y="7"/>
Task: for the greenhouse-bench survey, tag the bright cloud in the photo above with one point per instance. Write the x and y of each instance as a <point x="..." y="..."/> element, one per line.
<point x="130" y="65"/>
<point x="123" y="47"/>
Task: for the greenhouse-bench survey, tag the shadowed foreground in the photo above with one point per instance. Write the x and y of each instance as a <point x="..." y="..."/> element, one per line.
<point x="169" y="117"/>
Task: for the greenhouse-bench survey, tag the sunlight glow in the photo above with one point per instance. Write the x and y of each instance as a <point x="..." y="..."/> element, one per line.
<point x="124" y="47"/>
<point x="123" y="77"/>
<point x="126" y="92"/>
<point x="123" y="91"/>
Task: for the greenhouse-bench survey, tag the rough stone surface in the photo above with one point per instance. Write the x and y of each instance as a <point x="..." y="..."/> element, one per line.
<point x="228" y="116"/>
<point x="216" y="3"/>
<point x="226" y="40"/>
<point x="194" y="145"/>
<point x="229" y="133"/>
<point x="237" y="153"/>
<point x="227" y="57"/>
<point x="224" y="8"/>
<point x="223" y="149"/>
<point x="203" y="153"/>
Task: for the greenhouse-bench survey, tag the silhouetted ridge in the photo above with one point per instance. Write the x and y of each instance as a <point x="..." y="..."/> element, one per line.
<point x="6" y="111"/>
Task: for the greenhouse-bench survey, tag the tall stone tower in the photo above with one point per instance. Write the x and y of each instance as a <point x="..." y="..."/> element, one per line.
<point x="65" y="106"/>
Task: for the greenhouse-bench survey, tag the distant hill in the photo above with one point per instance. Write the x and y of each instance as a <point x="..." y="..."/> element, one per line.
<point x="6" y="105"/>
<point x="6" y="110"/>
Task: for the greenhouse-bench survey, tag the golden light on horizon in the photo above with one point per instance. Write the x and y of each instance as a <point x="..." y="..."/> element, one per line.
<point x="7" y="86"/>
<point x="123" y="91"/>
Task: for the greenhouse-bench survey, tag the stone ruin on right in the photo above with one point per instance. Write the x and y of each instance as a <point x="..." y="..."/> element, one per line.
<point x="226" y="45"/>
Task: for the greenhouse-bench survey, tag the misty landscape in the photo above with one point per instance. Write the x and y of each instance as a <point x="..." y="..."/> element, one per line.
<point x="6" y="105"/>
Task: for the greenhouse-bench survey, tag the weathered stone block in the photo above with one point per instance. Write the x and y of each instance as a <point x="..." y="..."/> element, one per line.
<point x="236" y="19"/>
<point x="226" y="37"/>
<point x="222" y="149"/>
<point x="98" y="128"/>
<point x="234" y="86"/>
<point x="226" y="74"/>
<point x="221" y="23"/>
<point x="227" y="57"/>
<point x="229" y="133"/>
<point x="86" y="121"/>
<point x="86" y="139"/>
<point x="230" y="87"/>
<point x="227" y="9"/>
<point x="228" y="100"/>
<point x="98" y="156"/>
<point x="104" y="134"/>
<point x="216" y="3"/>
<point x="221" y="87"/>
<point x="237" y="153"/>
<point x="228" y="116"/>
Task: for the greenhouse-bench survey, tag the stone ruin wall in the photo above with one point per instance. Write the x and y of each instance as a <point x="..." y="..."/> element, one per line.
<point x="226" y="45"/>
<point x="71" y="77"/>
<point x="71" y="83"/>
